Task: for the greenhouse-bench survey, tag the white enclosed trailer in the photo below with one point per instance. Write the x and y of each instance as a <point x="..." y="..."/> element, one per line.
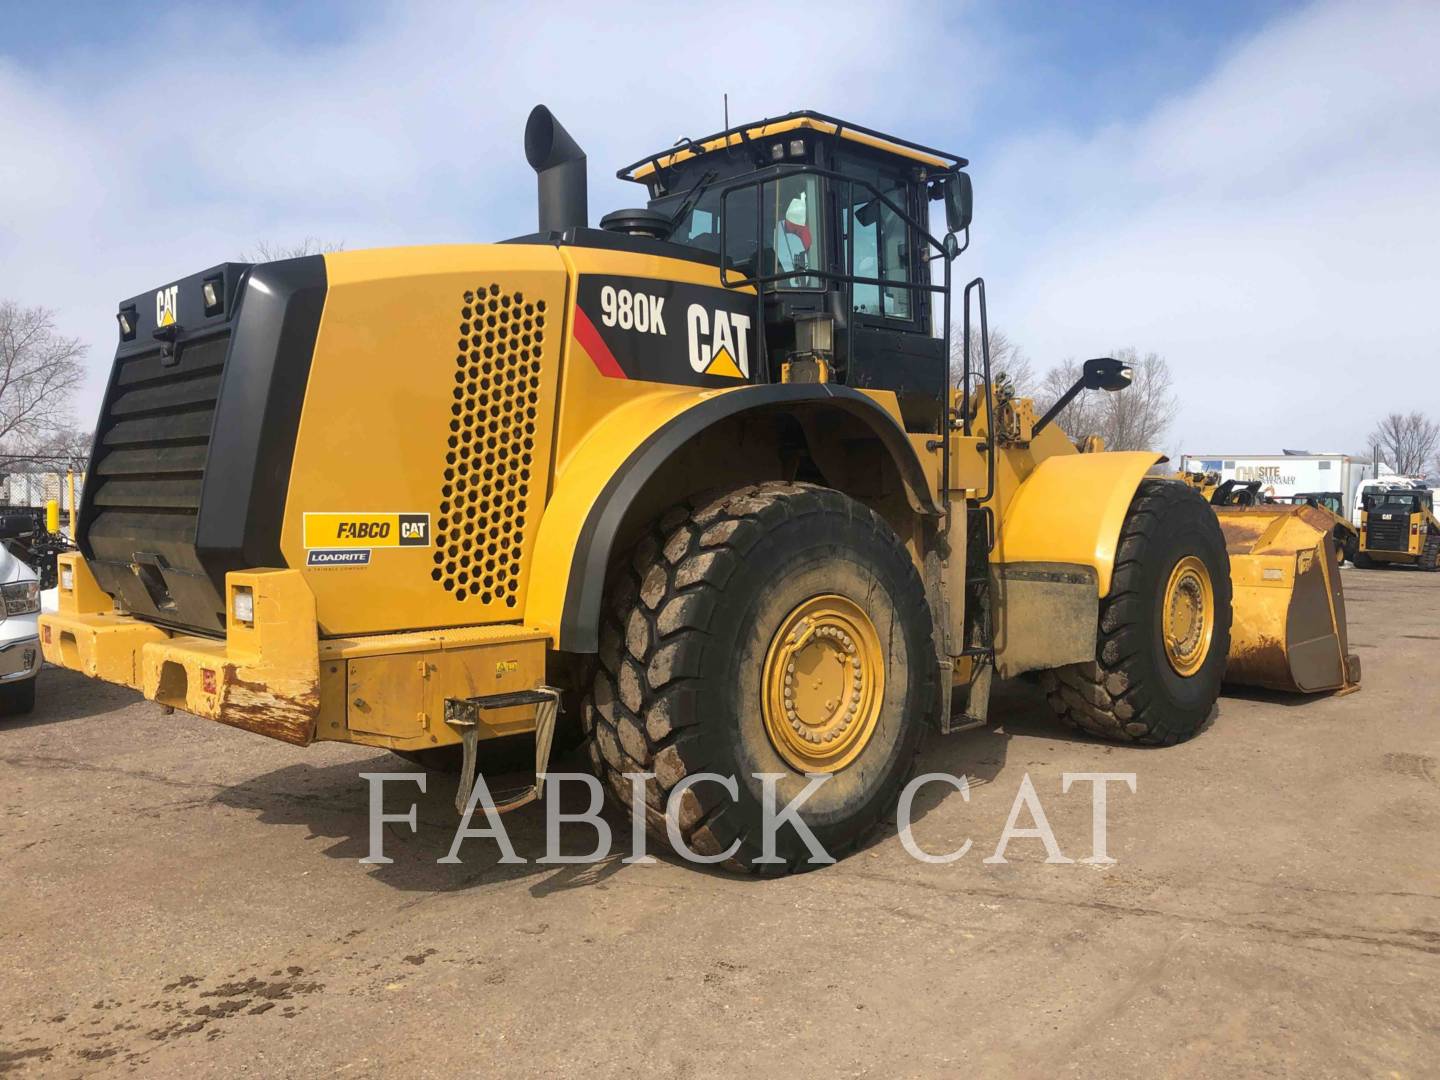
<point x="1290" y="474"/>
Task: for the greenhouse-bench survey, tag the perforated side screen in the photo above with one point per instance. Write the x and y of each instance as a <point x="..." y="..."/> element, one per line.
<point x="484" y="508"/>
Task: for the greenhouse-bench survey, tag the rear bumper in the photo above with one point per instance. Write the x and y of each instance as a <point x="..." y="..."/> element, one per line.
<point x="263" y="677"/>
<point x="277" y="677"/>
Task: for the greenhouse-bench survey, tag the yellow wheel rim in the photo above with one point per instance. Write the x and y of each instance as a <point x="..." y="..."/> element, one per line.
<point x="1188" y="616"/>
<point x="823" y="683"/>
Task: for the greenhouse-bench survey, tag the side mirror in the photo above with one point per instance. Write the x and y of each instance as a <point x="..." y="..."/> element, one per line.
<point x="1106" y="373"/>
<point x="1102" y="373"/>
<point x="959" y="202"/>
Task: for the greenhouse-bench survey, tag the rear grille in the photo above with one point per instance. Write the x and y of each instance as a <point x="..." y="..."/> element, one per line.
<point x="153" y="442"/>
<point x="1393" y="535"/>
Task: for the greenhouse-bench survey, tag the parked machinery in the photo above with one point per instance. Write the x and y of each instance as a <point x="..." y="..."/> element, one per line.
<point x="700" y="473"/>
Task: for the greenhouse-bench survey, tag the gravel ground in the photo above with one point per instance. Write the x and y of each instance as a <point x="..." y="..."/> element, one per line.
<point x="183" y="899"/>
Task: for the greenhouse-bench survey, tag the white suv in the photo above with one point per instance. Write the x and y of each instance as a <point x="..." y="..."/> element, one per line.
<point x="19" y="636"/>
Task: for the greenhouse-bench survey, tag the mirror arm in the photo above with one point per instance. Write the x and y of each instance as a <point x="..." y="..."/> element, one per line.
<point x="1059" y="407"/>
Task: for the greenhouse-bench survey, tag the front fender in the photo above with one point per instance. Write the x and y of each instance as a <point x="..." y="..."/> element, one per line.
<point x="1071" y="509"/>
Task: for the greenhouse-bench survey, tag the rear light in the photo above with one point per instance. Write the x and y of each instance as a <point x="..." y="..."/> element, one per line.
<point x="67" y="578"/>
<point x="126" y="317"/>
<point x="242" y="603"/>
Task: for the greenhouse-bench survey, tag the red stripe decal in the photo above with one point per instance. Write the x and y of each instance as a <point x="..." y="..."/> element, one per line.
<point x="591" y="341"/>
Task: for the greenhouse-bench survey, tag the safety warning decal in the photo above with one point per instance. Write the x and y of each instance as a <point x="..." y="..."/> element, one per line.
<point x="665" y="331"/>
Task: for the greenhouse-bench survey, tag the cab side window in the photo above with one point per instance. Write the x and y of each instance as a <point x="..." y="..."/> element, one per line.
<point x="883" y="247"/>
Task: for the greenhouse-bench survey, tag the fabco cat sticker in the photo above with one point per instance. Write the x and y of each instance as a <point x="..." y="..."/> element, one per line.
<point x="335" y="539"/>
<point x="665" y="331"/>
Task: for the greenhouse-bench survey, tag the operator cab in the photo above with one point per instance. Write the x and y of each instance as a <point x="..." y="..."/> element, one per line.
<point x="829" y="223"/>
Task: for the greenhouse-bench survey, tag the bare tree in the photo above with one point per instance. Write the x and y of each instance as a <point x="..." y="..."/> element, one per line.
<point x="1085" y="415"/>
<point x="39" y="371"/>
<point x="274" y="252"/>
<point x="65" y="449"/>
<point x="1407" y="441"/>
<point x="1135" y="418"/>
<point x="1009" y="367"/>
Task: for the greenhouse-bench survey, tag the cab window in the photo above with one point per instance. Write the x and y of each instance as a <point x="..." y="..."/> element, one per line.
<point x="883" y="245"/>
<point x="790" y="237"/>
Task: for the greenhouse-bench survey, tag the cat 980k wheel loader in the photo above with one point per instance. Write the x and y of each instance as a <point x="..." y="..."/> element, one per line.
<point x="701" y="470"/>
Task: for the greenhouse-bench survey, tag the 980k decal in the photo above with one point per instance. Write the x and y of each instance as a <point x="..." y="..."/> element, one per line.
<point x="665" y="331"/>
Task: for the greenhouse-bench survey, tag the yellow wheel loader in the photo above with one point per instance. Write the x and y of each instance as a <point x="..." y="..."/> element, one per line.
<point x="699" y="475"/>
<point x="1398" y="526"/>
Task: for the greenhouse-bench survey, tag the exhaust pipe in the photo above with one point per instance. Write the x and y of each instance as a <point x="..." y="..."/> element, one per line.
<point x="559" y="166"/>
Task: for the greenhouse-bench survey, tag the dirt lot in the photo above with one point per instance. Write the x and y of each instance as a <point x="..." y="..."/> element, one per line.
<point x="182" y="899"/>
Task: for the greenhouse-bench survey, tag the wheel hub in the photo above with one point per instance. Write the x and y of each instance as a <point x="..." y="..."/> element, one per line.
<point x="1188" y="616"/>
<point x="823" y="683"/>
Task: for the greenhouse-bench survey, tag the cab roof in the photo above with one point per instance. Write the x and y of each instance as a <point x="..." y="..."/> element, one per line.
<point x="686" y="149"/>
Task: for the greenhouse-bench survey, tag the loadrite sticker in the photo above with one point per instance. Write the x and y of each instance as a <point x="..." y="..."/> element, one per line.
<point x="366" y="530"/>
<point x="341" y="557"/>
<point x="665" y="331"/>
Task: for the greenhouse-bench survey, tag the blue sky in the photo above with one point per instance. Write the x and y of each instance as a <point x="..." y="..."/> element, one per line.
<point x="1245" y="188"/>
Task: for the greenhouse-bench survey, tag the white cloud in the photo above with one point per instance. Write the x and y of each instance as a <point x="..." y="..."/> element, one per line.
<point x="1274" y="233"/>
<point x="158" y="156"/>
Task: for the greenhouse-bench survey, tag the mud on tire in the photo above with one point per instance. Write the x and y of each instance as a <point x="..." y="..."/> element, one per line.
<point x="1130" y="692"/>
<point x="688" y="619"/>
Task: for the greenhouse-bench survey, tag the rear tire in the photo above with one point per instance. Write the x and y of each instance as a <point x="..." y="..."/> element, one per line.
<point x="1363" y="561"/>
<point x="687" y="669"/>
<point x="1430" y="554"/>
<point x="17" y="698"/>
<point x="1134" y="691"/>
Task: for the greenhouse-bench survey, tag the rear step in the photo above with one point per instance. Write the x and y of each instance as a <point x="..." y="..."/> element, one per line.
<point x="464" y="714"/>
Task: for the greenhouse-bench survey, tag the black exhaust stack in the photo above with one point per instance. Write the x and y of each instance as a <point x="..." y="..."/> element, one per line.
<point x="559" y="166"/>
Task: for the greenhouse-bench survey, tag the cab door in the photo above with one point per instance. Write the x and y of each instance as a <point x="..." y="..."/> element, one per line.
<point x="891" y="346"/>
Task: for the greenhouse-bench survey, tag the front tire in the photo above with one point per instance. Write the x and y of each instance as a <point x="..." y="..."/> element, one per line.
<point x="744" y="636"/>
<point x="1164" y="628"/>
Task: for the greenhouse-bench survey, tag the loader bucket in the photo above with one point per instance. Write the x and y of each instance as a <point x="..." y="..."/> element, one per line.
<point x="1288" y="625"/>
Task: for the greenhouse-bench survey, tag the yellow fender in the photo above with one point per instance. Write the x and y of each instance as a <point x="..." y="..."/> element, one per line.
<point x="1070" y="509"/>
<point x="580" y="484"/>
<point x="601" y="479"/>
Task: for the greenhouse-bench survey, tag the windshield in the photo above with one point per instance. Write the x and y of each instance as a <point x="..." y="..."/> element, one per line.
<point x="1408" y="501"/>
